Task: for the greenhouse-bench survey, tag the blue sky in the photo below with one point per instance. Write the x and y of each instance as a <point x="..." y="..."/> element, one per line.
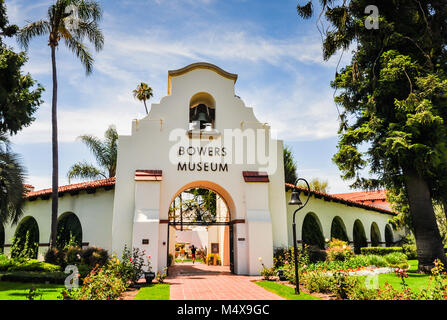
<point x="276" y="54"/>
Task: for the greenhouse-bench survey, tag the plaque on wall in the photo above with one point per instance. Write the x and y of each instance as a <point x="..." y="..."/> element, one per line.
<point x="214" y="248"/>
<point x="145" y="241"/>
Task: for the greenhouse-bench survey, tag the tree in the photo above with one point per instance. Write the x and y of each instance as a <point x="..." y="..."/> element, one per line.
<point x="11" y="184"/>
<point x="105" y="152"/>
<point x="19" y="99"/>
<point x="143" y="93"/>
<point x="71" y="21"/>
<point x="290" y="167"/>
<point x="319" y="185"/>
<point x="394" y="100"/>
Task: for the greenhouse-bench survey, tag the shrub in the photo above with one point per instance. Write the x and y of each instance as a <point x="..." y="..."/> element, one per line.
<point x="24" y="247"/>
<point x="397" y="260"/>
<point x="375" y="260"/>
<point x="102" y="283"/>
<point x="316" y="254"/>
<point x="410" y="251"/>
<point x="317" y="282"/>
<point x="33" y="277"/>
<point x="56" y="256"/>
<point x="339" y="250"/>
<point x="380" y="251"/>
<point x="131" y="265"/>
<point x="23" y="264"/>
<point x="267" y="273"/>
<point x="94" y="256"/>
<point x="342" y="285"/>
<point x="210" y="259"/>
<point x="161" y="276"/>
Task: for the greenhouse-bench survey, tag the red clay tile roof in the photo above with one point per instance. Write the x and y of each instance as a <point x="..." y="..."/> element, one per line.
<point x="349" y="202"/>
<point x="363" y="195"/>
<point x="71" y="188"/>
<point x="110" y="183"/>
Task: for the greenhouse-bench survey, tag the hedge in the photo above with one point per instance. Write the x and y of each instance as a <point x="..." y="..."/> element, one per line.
<point x="22" y="264"/>
<point x="34" y="277"/>
<point x="380" y="251"/>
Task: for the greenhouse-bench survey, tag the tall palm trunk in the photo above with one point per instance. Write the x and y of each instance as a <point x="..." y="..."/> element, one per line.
<point x="55" y="183"/>
<point x="426" y="232"/>
<point x="145" y="107"/>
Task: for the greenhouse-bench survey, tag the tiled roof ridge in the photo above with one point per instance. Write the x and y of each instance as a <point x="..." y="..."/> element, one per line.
<point x="74" y="187"/>
<point x="109" y="182"/>
<point x="343" y="200"/>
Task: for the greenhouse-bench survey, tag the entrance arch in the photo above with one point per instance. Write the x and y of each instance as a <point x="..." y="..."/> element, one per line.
<point x="359" y="236"/>
<point x="213" y="212"/>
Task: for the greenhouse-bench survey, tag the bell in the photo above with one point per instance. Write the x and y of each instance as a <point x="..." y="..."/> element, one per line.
<point x="202" y="117"/>
<point x="295" y="198"/>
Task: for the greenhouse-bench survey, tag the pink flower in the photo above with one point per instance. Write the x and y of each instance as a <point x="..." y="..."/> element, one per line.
<point x="287" y="262"/>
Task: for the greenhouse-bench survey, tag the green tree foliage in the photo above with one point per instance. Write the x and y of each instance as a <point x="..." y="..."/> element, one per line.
<point x="105" y="152"/>
<point x="11" y="183"/>
<point x="197" y="205"/>
<point x="143" y="93"/>
<point x="69" y="21"/>
<point x="25" y="243"/>
<point x="20" y="95"/>
<point x="69" y="231"/>
<point x="311" y="232"/>
<point x="393" y="97"/>
<point x="290" y="166"/>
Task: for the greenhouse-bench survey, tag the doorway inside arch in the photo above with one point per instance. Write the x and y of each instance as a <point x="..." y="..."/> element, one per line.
<point x="200" y="232"/>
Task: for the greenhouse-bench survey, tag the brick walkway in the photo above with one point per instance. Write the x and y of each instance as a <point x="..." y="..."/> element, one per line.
<point x="202" y="282"/>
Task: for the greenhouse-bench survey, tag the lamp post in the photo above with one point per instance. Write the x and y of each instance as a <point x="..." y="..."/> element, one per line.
<point x="295" y="200"/>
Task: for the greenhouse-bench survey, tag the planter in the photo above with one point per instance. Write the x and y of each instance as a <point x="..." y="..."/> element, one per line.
<point x="281" y="275"/>
<point x="149" y="276"/>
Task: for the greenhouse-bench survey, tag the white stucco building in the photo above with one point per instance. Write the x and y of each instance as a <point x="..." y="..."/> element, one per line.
<point x="200" y="135"/>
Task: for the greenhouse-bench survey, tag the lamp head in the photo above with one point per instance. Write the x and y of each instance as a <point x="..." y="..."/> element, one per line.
<point x="295" y="198"/>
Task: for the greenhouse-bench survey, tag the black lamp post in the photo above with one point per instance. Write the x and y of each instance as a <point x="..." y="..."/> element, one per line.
<point x="295" y="200"/>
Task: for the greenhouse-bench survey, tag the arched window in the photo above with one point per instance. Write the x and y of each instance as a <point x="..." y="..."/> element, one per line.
<point x="375" y="235"/>
<point x="338" y="229"/>
<point x="68" y="227"/>
<point x="26" y="239"/>
<point x="359" y="236"/>
<point x="2" y="238"/>
<point x="202" y="112"/>
<point x="389" y="239"/>
<point x="311" y="231"/>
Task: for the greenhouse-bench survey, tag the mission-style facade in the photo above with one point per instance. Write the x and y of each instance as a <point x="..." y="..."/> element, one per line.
<point x="201" y="135"/>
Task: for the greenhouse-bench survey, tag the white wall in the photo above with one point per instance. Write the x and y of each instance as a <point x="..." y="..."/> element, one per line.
<point x="326" y="211"/>
<point x="93" y="210"/>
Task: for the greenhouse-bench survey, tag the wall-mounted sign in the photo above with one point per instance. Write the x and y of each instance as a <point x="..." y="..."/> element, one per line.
<point x="214" y="248"/>
<point x="145" y="241"/>
<point x="202" y="166"/>
<point x="240" y="239"/>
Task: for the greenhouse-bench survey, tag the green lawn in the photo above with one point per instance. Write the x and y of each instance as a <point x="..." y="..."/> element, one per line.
<point x="415" y="280"/>
<point x="285" y="291"/>
<point x="154" y="292"/>
<point x="19" y="290"/>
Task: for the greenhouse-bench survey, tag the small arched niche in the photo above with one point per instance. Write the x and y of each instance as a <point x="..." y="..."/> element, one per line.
<point x="202" y="112"/>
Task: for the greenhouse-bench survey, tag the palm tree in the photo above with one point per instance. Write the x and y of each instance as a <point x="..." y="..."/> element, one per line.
<point x="143" y="92"/>
<point x="105" y="153"/>
<point x="11" y="184"/>
<point x="71" y="21"/>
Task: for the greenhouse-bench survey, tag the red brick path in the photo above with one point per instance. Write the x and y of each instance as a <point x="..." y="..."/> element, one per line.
<point x="202" y="282"/>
